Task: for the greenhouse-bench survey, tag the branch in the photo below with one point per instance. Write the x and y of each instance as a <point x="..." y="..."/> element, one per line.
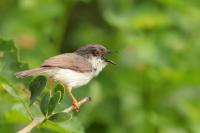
<point x="40" y="120"/>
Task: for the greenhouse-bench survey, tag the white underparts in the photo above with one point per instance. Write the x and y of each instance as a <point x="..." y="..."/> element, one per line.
<point x="76" y="79"/>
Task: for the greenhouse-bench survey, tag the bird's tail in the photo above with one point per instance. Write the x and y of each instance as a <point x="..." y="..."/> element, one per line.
<point x="31" y="72"/>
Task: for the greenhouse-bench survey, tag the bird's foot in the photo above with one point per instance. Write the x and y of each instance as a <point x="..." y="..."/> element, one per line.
<point x="75" y="104"/>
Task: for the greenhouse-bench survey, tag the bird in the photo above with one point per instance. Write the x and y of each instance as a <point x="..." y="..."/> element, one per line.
<point x="74" y="69"/>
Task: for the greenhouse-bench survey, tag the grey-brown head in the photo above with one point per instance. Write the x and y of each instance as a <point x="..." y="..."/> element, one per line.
<point x="94" y="50"/>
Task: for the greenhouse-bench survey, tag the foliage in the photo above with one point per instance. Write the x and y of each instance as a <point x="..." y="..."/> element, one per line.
<point x="155" y="86"/>
<point x="9" y="64"/>
<point x="48" y="103"/>
<point x="60" y="87"/>
<point x="59" y="117"/>
<point x="44" y="104"/>
<point x="36" y="87"/>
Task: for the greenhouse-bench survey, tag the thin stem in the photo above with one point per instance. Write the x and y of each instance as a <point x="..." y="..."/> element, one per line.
<point x="23" y="103"/>
<point x="27" y="110"/>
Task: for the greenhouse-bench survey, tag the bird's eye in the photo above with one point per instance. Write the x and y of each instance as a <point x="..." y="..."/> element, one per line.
<point x="96" y="52"/>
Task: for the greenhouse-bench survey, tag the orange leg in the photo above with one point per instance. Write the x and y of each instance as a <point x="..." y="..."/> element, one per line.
<point x="74" y="101"/>
<point x="51" y="86"/>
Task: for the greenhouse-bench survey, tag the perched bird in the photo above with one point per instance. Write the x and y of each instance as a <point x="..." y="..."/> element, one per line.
<point x="72" y="69"/>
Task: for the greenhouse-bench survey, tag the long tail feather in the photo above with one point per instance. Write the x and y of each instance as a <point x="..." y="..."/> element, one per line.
<point x="31" y="72"/>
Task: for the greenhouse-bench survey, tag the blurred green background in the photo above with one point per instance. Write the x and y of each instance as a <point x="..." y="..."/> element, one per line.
<point x="155" y="88"/>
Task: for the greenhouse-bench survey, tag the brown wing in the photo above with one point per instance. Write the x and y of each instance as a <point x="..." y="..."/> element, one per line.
<point x="69" y="61"/>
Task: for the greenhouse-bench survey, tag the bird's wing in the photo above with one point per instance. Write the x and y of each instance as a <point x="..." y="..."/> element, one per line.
<point x="69" y="61"/>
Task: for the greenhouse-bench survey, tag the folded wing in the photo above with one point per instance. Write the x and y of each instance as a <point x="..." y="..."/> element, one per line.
<point x="69" y="61"/>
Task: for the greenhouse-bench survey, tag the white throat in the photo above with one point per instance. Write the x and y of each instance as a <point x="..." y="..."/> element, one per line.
<point x="97" y="64"/>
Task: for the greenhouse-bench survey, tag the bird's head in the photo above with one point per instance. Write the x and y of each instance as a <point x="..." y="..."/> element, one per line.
<point x="95" y="50"/>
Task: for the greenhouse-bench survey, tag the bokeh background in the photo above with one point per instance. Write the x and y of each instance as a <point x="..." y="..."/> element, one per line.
<point x="155" y="88"/>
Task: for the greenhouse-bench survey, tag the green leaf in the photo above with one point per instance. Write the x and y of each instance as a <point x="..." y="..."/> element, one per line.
<point x="44" y="104"/>
<point x="59" y="117"/>
<point x="36" y="87"/>
<point x="60" y="87"/>
<point x="53" y="102"/>
<point x="9" y="62"/>
<point x="7" y="86"/>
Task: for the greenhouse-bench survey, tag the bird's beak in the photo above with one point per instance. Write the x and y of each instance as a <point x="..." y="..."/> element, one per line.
<point x="110" y="52"/>
<point x="108" y="60"/>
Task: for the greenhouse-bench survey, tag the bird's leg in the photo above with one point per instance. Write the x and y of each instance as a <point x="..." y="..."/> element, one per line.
<point x="74" y="101"/>
<point x="51" y="85"/>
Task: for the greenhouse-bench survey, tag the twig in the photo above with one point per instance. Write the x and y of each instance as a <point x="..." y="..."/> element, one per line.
<point x="27" y="110"/>
<point x="40" y="120"/>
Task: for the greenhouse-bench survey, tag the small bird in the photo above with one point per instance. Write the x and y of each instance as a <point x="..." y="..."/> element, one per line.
<point x="72" y="69"/>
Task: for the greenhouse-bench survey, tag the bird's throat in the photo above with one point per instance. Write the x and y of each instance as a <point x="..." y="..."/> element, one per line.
<point x="97" y="64"/>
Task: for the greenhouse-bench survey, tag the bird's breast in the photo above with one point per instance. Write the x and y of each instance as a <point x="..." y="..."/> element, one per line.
<point x="70" y="77"/>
